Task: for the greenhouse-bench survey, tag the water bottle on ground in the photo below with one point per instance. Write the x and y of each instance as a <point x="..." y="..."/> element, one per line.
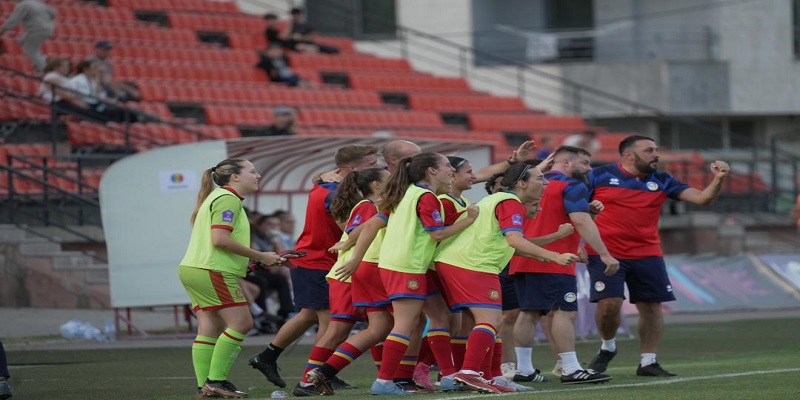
<point x="109" y="330"/>
<point x="279" y="394"/>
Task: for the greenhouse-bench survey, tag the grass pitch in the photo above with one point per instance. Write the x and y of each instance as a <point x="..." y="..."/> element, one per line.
<point x="758" y="359"/>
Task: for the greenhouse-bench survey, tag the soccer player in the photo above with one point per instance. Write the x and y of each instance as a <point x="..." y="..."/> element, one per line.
<point x="354" y="202"/>
<point x="632" y="192"/>
<point x="469" y="266"/>
<point x="217" y="255"/>
<point x="309" y="285"/>
<point x="546" y="288"/>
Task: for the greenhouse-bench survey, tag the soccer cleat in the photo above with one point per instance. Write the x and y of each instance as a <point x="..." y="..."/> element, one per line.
<point x="389" y="388"/>
<point x="222" y="389"/>
<point x="269" y="369"/>
<point x="199" y="395"/>
<point x="5" y="389"/>
<point x="422" y="377"/>
<point x="337" y="383"/>
<point x="502" y="388"/>
<point x="653" y="370"/>
<point x="475" y="382"/>
<point x="305" y="391"/>
<point x="322" y="386"/>
<point x="584" y="376"/>
<point x="508" y="369"/>
<point x="536" y="376"/>
<point x="447" y="385"/>
<point x="558" y="370"/>
<point x="509" y="383"/>
<point x="600" y="361"/>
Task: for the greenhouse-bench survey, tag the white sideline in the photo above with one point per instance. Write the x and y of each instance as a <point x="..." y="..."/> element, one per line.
<point x="659" y="381"/>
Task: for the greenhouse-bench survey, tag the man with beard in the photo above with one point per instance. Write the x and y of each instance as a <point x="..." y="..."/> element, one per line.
<point x="632" y="193"/>
<point x="544" y="288"/>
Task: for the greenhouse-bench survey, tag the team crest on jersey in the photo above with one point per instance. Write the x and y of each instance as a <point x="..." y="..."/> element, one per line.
<point x="437" y="216"/>
<point x="494" y="294"/>
<point x="238" y="295"/>
<point x="599" y="286"/>
<point x="516" y="219"/>
<point x="227" y="216"/>
<point x="570" y="297"/>
<point x="652" y="186"/>
<point x="613" y="181"/>
<point x="412" y="284"/>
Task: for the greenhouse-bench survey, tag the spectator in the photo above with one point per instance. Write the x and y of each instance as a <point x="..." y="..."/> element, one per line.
<point x="287" y="228"/>
<point x="121" y="91"/>
<point x="302" y="36"/>
<point x="272" y="33"/>
<point x="54" y="86"/>
<point x="275" y="63"/>
<point x="545" y="147"/>
<point x="585" y="140"/>
<point x="37" y="18"/>
<point x="264" y="234"/>
<point x="283" y="122"/>
<point x="86" y="83"/>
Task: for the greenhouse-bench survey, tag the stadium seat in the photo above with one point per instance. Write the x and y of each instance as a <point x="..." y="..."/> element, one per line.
<point x="410" y="83"/>
<point x="525" y="123"/>
<point x="435" y="102"/>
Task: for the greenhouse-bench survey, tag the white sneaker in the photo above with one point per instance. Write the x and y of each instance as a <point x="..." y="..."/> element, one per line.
<point x="511" y="384"/>
<point x="557" y="370"/>
<point x="509" y="369"/>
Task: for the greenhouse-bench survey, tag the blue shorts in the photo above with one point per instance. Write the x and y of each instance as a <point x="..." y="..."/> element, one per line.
<point x="545" y="292"/>
<point x="646" y="278"/>
<point x="508" y="291"/>
<point x="310" y="288"/>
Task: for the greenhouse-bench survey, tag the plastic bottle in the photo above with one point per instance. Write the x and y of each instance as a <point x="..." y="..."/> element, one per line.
<point x="279" y="394"/>
<point x="109" y="330"/>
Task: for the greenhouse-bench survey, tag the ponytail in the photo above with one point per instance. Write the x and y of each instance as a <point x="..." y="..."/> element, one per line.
<point x="354" y="188"/>
<point x="219" y="175"/>
<point x="408" y="171"/>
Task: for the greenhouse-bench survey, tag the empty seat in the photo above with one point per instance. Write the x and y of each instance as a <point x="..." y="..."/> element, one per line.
<point x="410" y="83"/>
<point x="525" y="123"/>
<point x="433" y="102"/>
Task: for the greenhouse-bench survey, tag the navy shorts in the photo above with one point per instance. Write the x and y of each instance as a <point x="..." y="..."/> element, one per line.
<point x="508" y="291"/>
<point x="646" y="278"/>
<point x="545" y="292"/>
<point x="310" y="288"/>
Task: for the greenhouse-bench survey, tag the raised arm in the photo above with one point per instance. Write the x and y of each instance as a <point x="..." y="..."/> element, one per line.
<point x="707" y="196"/>
<point x="519" y="155"/>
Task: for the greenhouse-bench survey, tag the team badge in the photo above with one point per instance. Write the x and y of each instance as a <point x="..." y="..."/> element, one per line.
<point x="599" y="286"/>
<point x="494" y="294"/>
<point x="652" y="186"/>
<point x="239" y="295"/>
<point x="356" y="220"/>
<point x="412" y="284"/>
<point x="570" y="297"/>
<point x="227" y="216"/>
<point x="516" y="219"/>
<point x="437" y="216"/>
<point x="613" y="181"/>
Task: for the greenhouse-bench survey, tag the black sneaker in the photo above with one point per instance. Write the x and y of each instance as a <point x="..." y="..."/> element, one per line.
<point x="600" y="361"/>
<point x="338" y="384"/>
<point x="305" y="391"/>
<point x="270" y="370"/>
<point x="222" y="389"/>
<point x="653" y="370"/>
<point x="536" y="376"/>
<point x="5" y="389"/>
<point x="584" y="376"/>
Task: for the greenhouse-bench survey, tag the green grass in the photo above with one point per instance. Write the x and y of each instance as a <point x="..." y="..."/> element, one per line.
<point x="726" y="360"/>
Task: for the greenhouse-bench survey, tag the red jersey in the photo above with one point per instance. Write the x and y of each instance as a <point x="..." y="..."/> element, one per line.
<point x="320" y="231"/>
<point x="629" y="222"/>
<point x="562" y="196"/>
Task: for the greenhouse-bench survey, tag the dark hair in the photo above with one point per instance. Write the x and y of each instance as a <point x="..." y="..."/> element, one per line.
<point x="353" y="153"/>
<point x="53" y="63"/>
<point x="354" y="188"/>
<point x="408" y="171"/>
<point x="219" y="175"/>
<point x="572" y="150"/>
<point x="270" y="16"/>
<point x="629" y="141"/>
<point x="83" y="65"/>
<point x="456" y="162"/>
<point x="519" y="172"/>
<point x="490" y="183"/>
<point x="296" y="10"/>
